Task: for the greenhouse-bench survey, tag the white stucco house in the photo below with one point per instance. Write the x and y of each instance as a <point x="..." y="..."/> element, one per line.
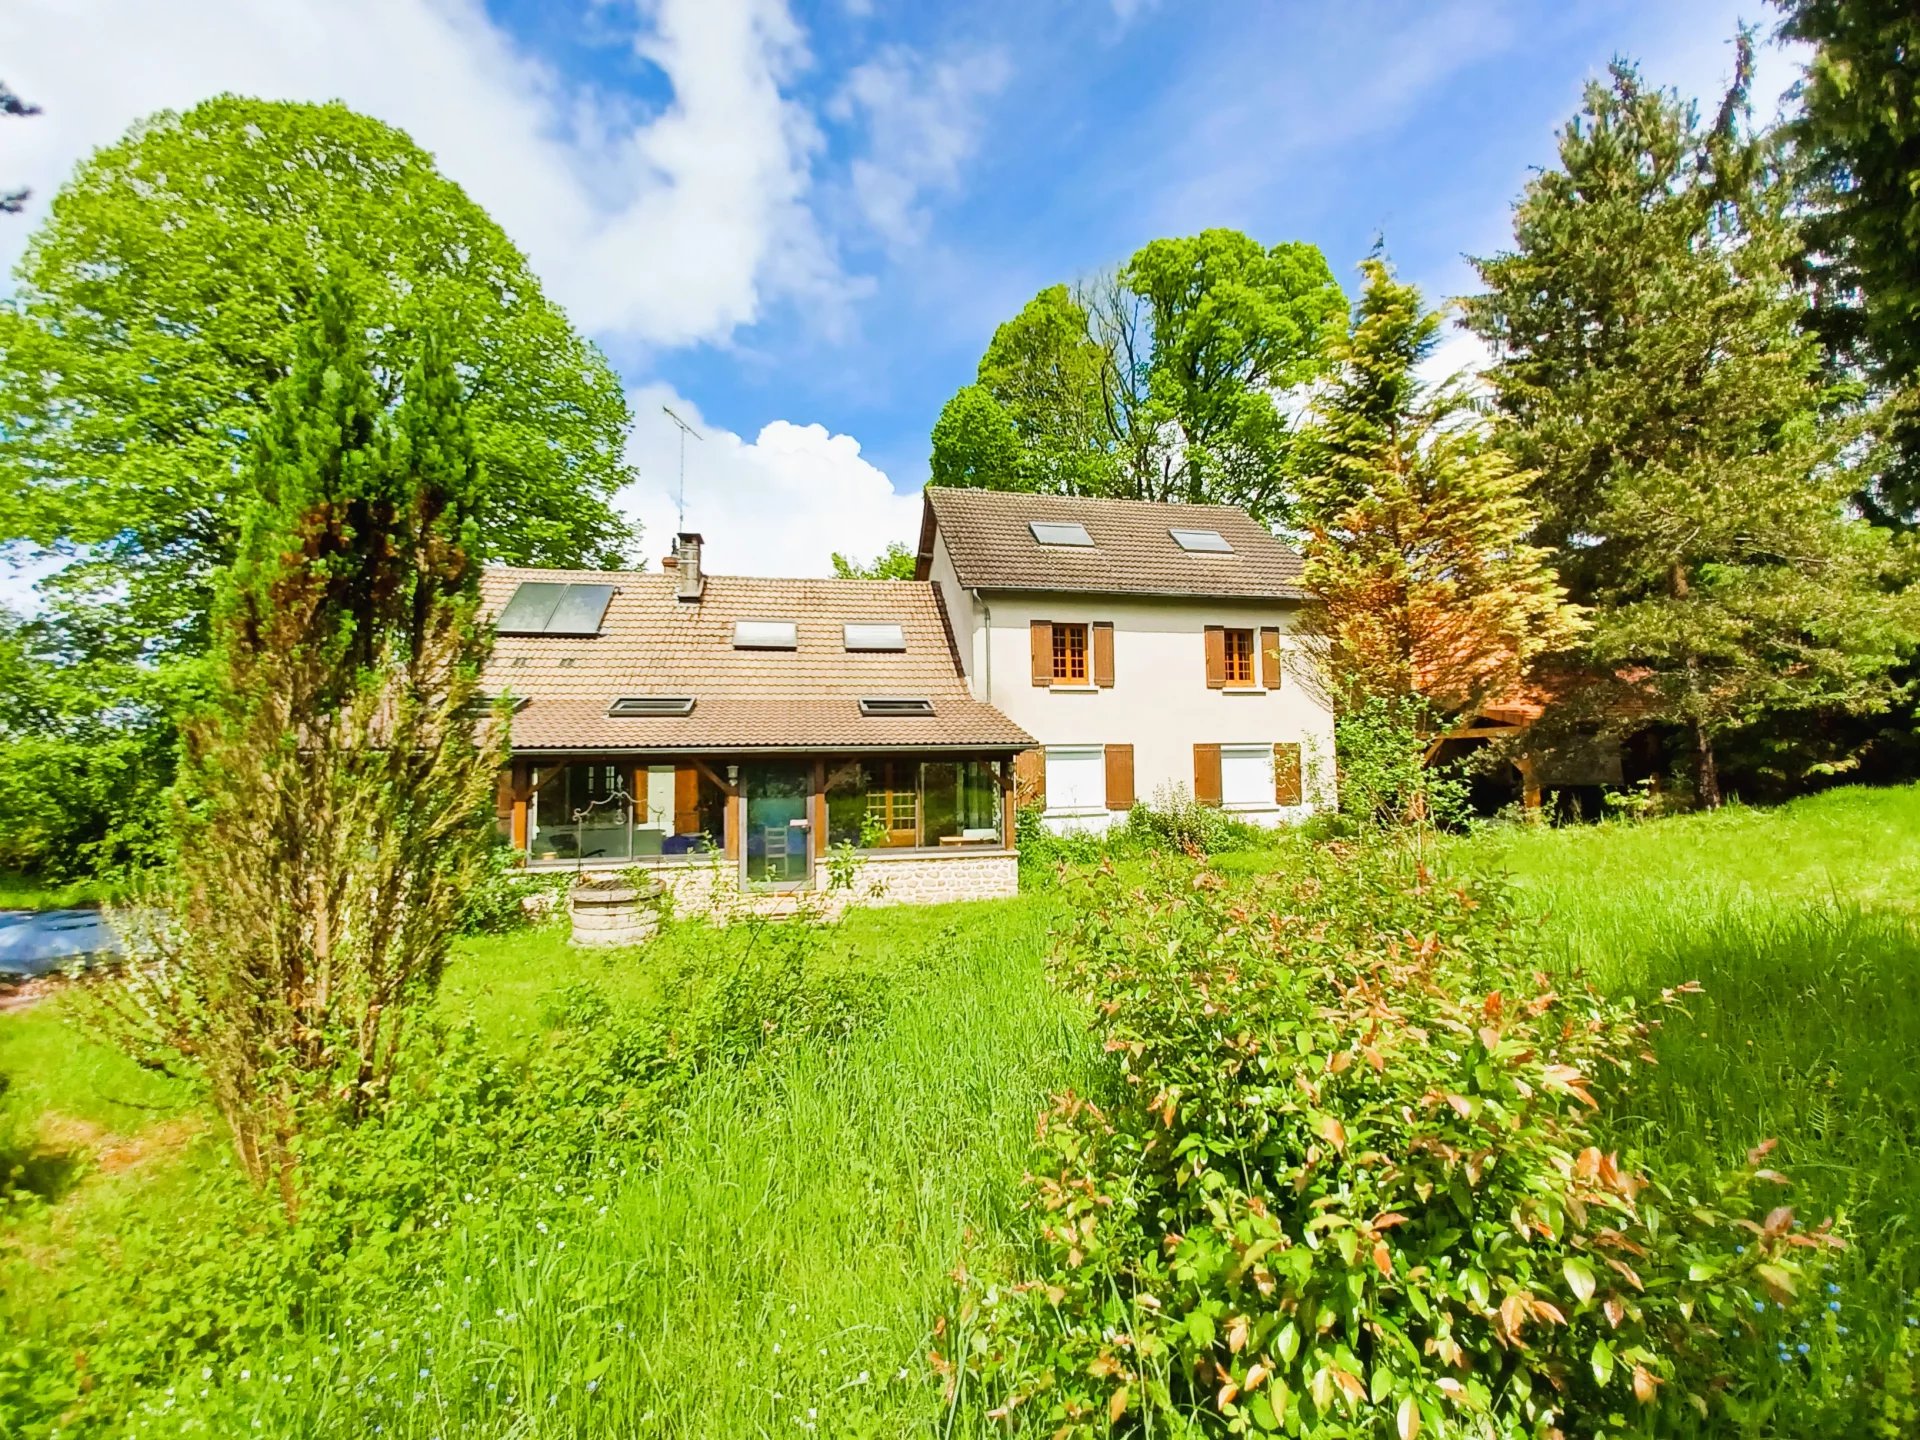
<point x="1151" y="649"/>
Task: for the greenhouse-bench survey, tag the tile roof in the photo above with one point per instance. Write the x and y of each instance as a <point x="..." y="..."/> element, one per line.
<point x="652" y="643"/>
<point x="1132" y="553"/>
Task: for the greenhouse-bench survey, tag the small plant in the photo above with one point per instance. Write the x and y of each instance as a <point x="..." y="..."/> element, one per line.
<point x="1385" y="782"/>
<point x="1350" y="1176"/>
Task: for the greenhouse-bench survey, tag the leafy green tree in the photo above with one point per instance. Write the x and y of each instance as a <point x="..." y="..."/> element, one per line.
<point x="975" y="444"/>
<point x="334" y="811"/>
<point x="1858" y="137"/>
<point x="1654" y="371"/>
<point x="1431" y="599"/>
<point x="157" y="306"/>
<point x="896" y="562"/>
<point x="1157" y="382"/>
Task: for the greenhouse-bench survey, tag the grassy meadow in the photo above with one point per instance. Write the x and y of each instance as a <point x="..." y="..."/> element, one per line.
<point x="771" y="1258"/>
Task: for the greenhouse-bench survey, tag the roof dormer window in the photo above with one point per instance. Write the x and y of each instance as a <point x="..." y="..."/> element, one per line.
<point x="895" y="705"/>
<point x="1061" y="532"/>
<point x="766" y="635"/>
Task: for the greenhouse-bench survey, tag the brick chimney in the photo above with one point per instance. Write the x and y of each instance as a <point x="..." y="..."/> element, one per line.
<point x="686" y="556"/>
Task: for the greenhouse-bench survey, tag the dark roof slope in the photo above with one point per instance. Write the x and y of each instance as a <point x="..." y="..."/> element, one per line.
<point x="1132" y="553"/>
<point x="651" y="643"/>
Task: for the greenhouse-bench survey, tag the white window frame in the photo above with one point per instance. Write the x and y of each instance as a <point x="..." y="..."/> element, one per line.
<point x="1063" y="783"/>
<point x="1243" y="763"/>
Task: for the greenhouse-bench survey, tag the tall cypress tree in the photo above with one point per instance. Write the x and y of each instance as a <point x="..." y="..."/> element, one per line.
<point x="335" y="784"/>
<point x="1417" y="526"/>
<point x="1654" y="371"/>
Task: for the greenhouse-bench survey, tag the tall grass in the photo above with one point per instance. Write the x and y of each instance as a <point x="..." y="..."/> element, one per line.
<point x="1802" y="926"/>
<point x="775" y="1268"/>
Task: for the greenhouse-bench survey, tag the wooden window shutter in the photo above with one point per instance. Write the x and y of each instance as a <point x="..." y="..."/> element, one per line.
<point x="686" y="801"/>
<point x="1042" y="632"/>
<point x="1030" y="777"/>
<point x="1216" y="661"/>
<point x="1119" y="777"/>
<point x="1206" y="774"/>
<point x="1286" y="773"/>
<point x="1103" y="653"/>
<point x="1270" y="658"/>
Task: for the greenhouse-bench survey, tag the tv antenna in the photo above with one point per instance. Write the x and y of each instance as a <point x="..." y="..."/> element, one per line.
<point x="680" y="500"/>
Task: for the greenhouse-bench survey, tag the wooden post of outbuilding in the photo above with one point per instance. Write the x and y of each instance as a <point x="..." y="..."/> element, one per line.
<point x="1009" y="802"/>
<point x="1529" y="782"/>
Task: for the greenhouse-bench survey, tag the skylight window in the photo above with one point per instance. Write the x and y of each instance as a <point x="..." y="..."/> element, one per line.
<point x="483" y="703"/>
<point x="765" y="635"/>
<point x="1060" y="532"/>
<point x="543" y="607"/>
<point x="1203" y="542"/>
<point x="633" y="706"/>
<point x="875" y="636"/>
<point x="895" y="705"/>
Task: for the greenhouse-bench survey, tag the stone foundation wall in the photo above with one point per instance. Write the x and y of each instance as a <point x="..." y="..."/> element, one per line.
<point x="712" y="886"/>
<point x="932" y="879"/>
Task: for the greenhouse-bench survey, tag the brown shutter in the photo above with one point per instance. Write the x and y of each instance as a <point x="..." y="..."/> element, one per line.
<point x="1103" y="653"/>
<point x="1206" y="774"/>
<point x="1030" y="777"/>
<point x="1286" y="773"/>
<point x="1216" y="658"/>
<point x="1042" y="632"/>
<point x="1270" y="658"/>
<point x="686" y="800"/>
<point x="1119" y="777"/>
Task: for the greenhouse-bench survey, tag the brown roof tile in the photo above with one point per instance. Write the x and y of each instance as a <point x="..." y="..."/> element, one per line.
<point x="651" y="643"/>
<point x="1132" y="553"/>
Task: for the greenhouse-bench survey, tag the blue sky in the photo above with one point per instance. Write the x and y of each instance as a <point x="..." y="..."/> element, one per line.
<point x="798" y="225"/>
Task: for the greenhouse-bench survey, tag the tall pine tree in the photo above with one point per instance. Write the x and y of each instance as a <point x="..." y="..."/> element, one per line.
<point x="1654" y="371"/>
<point x="1417" y="527"/>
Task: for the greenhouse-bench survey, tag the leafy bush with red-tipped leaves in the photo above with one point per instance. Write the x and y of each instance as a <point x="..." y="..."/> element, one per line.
<point x="1352" y="1179"/>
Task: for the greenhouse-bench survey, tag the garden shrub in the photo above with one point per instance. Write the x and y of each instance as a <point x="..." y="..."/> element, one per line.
<point x="508" y="897"/>
<point x="1352" y="1177"/>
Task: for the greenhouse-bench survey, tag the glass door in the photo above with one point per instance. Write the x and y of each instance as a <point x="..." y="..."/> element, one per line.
<point x="779" y="848"/>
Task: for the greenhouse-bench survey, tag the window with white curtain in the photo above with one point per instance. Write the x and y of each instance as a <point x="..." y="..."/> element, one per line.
<point x="1076" y="778"/>
<point x="1246" y="776"/>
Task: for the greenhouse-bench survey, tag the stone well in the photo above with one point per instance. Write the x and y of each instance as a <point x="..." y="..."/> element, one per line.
<point x="615" y="912"/>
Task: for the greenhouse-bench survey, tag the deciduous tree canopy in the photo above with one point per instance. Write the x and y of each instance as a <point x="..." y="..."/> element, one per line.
<point x="1158" y="382"/>
<point x="157" y="306"/>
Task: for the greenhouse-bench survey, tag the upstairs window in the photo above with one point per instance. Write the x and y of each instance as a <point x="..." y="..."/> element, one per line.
<point x="1202" y="542"/>
<point x="1069" y="654"/>
<point x="541" y="607"/>
<point x="1238" y="657"/>
<point x="1060" y="532"/>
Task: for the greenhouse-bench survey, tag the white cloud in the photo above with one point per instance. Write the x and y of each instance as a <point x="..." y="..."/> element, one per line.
<point x="779" y="504"/>
<point x="663" y="228"/>
<point x="922" y="119"/>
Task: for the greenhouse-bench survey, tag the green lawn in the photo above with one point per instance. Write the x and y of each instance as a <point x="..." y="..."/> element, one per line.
<point x="787" y="1248"/>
